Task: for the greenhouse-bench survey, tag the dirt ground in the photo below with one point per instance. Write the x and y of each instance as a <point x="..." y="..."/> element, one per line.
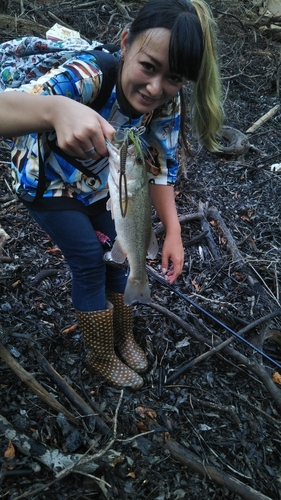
<point x="211" y="414"/>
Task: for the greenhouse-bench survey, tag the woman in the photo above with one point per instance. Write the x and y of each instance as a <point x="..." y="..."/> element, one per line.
<point x="168" y="43"/>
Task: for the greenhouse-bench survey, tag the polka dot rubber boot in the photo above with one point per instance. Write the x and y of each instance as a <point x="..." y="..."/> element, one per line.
<point x="97" y="329"/>
<point x="126" y="346"/>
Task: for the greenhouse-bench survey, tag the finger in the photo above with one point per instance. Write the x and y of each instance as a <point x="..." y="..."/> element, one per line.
<point x="105" y="131"/>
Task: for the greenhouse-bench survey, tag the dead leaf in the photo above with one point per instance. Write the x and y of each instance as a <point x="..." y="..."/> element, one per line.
<point x="142" y="427"/>
<point x="239" y="276"/>
<point x="274" y="335"/>
<point x="223" y="241"/>
<point x="53" y="251"/>
<point x="16" y="283"/>
<point x="213" y="223"/>
<point x="146" y="412"/>
<point x="10" y="451"/>
<point x="70" y="329"/>
<point x="276" y="377"/>
<point x="132" y="474"/>
<point x="196" y="286"/>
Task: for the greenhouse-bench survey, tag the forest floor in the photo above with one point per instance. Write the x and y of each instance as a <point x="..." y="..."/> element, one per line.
<point x="206" y="424"/>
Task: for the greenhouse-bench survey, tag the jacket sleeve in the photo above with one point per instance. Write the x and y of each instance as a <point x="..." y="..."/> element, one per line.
<point x="162" y="139"/>
<point x="79" y="78"/>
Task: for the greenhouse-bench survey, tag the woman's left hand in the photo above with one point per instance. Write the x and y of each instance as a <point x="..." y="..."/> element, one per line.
<point x="172" y="257"/>
<point x="163" y="199"/>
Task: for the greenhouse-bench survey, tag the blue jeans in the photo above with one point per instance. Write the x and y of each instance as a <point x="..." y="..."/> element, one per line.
<point x="74" y="233"/>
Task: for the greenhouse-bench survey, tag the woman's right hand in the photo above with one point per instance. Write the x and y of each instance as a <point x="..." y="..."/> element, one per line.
<point x="79" y="128"/>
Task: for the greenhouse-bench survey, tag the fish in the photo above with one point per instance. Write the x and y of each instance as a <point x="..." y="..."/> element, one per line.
<point x="130" y="206"/>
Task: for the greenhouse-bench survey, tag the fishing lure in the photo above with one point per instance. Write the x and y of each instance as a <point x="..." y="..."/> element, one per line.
<point x="123" y="138"/>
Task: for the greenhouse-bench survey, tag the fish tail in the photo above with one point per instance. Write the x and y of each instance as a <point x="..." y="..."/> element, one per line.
<point x="137" y="292"/>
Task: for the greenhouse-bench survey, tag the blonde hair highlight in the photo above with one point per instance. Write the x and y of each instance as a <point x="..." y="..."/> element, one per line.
<point x="206" y="109"/>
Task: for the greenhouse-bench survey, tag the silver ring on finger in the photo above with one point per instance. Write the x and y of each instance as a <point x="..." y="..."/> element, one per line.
<point x="89" y="152"/>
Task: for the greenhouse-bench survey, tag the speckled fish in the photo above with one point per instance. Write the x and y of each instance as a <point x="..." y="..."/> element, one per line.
<point x="131" y="210"/>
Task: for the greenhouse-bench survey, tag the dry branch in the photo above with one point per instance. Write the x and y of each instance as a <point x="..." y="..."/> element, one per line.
<point x="213" y="213"/>
<point x="31" y="381"/>
<point x="250" y="363"/>
<point x="3" y="238"/>
<point x="205" y="226"/>
<point x="55" y="460"/>
<point x="185" y="457"/>
<point x="263" y="119"/>
<point x="19" y="26"/>
<point x="76" y="400"/>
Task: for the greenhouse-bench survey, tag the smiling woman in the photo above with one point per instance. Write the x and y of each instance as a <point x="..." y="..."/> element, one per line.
<point x="146" y="78"/>
<point x="58" y="129"/>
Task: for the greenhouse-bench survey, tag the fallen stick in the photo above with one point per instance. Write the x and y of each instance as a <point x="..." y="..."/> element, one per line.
<point x="213" y="350"/>
<point x="3" y="238"/>
<point x="236" y="255"/>
<point x="34" y="385"/>
<point x="251" y="363"/>
<point x="213" y="213"/>
<point x="205" y="226"/>
<point x="185" y="457"/>
<point x="59" y="463"/>
<point x="182" y="218"/>
<point x="55" y="460"/>
<point x="219" y="346"/>
<point x="263" y="119"/>
<point x="74" y="398"/>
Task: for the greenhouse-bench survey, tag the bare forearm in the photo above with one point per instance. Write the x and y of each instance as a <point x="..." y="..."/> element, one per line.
<point x="78" y="127"/>
<point x="172" y="250"/>
<point x="163" y="200"/>
<point x="22" y="113"/>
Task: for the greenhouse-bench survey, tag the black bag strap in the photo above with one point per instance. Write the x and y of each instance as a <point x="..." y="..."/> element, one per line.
<point x="109" y="65"/>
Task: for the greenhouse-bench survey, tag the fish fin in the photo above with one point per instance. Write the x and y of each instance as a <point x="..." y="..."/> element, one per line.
<point x="109" y="206"/>
<point x="137" y="292"/>
<point x="117" y="253"/>
<point x="153" y="246"/>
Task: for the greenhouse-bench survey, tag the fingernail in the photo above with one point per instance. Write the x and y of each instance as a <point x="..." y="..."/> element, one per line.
<point x="164" y="270"/>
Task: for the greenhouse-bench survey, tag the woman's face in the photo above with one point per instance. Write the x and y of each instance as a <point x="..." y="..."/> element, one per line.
<point x="146" y="79"/>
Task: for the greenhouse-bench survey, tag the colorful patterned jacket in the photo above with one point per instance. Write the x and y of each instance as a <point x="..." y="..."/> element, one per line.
<point x="79" y="77"/>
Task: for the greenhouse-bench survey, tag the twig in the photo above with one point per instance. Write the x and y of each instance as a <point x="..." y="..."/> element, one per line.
<point x="250" y="363"/>
<point x="263" y="119"/>
<point x="37" y="388"/>
<point x="182" y="218"/>
<point x="213" y="213"/>
<point x="218" y="407"/>
<point x="75" y="399"/>
<point x="203" y="209"/>
<point x="185" y="457"/>
<point x="219" y="347"/>
<point x="195" y="361"/>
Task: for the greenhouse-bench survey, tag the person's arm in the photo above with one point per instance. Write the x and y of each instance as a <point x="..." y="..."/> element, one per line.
<point x="78" y="127"/>
<point x="163" y="199"/>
